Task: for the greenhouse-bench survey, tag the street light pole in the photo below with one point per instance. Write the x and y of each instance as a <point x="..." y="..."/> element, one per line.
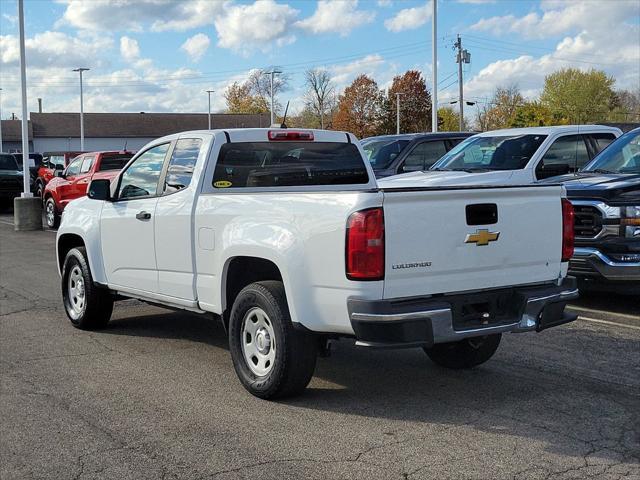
<point x="80" y="70"/>
<point x="0" y="119"/>
<point x="398" y="112"/>
<point x="209" y="92"/>
<point x="272" y="73"/>
<point x="434" y="55"/>
<point x="26" y="193"/>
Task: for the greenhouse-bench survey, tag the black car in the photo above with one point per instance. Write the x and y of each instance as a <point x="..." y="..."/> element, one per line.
<point x="394" y="154"/>
<point x="33" y="169"/>
<point x="10" y="178"/>
<point x="606" y="199"/>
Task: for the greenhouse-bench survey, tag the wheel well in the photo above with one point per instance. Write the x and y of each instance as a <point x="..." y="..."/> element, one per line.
<point x="241" y="272"/>
<point x="66" y="243"/>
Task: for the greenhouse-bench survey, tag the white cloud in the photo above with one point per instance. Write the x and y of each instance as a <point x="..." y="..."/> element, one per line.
<point x="370" y="65"/>
<point x="590" y="35"/>
<point x="339" y="16"/>
<point x="244" y="28"/>
<point x="409" y="18"/>
<point x="55" y="49"/>
<point x="384" y="3"/>
<point x="129" y="49"/>
<point x="135" y="15"/>
<point x="196" y="46"/>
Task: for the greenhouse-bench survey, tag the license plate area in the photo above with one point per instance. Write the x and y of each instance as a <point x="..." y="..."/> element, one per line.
<point x="486" y="310"/>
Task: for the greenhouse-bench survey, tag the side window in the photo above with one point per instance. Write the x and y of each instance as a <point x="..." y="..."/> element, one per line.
<point x="87" y="163"/>
<point x="602" y="140"/>
<point x="183" y="161"/>
<point x="567" y="154"/>
<point x="424" y="155"/>
<point x="74" y="167"/>
<point x="142" y="176"/>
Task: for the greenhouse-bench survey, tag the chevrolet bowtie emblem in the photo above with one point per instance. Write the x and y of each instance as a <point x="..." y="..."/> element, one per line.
<point x="482" y="237"/>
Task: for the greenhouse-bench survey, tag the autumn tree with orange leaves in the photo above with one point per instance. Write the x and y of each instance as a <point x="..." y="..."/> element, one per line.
<point x="415" y="104"/>
<point x="360" y="108"/>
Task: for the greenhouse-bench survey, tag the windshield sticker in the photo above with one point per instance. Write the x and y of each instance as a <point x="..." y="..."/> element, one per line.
<point x="222" y="184"/>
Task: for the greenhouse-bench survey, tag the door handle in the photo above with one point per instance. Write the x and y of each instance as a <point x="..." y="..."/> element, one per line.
<point x="143" y="215"/>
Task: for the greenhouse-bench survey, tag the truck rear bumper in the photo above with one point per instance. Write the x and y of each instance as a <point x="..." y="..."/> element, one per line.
<point x="423" y="322"/>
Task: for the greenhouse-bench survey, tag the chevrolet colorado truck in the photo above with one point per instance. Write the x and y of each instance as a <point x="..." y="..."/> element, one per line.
<point x="606" y="199"/>
<point x="288" y="238"/>
<point x="73" y="181"/>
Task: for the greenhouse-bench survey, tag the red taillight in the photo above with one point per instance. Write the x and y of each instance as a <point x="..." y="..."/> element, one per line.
<point x="365" y="245"/>
<point x="289" y="135"/>
<point x="567" y="230"/>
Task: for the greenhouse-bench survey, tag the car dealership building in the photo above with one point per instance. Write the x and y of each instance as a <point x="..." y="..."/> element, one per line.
<point x="53" y="132"/>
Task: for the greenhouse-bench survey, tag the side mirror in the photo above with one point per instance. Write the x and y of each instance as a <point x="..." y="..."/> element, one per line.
<point x="58" y="173"/>
<point x="57" y="166"/>
<point x="100" y="190"/>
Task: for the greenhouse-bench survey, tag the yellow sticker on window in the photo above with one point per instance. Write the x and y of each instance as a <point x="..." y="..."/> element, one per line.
<point x="222" y="184"/>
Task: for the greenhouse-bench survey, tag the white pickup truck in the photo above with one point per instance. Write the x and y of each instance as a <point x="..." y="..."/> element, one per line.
<point x="286" y="236"/>
<point x="515" y="156"/>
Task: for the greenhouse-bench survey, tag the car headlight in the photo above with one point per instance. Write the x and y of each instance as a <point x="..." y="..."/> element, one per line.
<point x="631" y="221"/>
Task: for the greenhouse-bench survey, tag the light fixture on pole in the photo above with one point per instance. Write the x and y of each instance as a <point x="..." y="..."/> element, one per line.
<point x="398" y="112"/>
<point x="272" y="73"/>
<point x="434" y="55"/>
<point x="209" y="92"/>
<point x="80" y="70"/>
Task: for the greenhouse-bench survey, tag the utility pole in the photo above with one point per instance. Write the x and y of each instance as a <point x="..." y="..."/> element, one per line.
<point x="398" y="112"/>
<point x="209" y="92"/>
<point x="272" y="73"/>
<point x="0" y="120"/>
<point x="26" y="177"/>
<point x="434" y="56"/>
<point x="463" y="56"/>
<point x="80" y="70"/>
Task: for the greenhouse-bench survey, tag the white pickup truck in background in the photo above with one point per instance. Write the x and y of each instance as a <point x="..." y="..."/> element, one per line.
<point x="289" y="239"/>
<point x="516" y="156"/>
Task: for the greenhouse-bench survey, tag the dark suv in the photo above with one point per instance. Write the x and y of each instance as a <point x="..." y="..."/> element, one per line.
<point x="606" y="199"/>
<point x="412" y="152"/>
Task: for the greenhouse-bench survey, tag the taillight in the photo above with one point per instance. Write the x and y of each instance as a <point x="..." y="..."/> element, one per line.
<point x="365" y="245"/>
<point x="567" y="230"/>
<point x="289" y="135"/>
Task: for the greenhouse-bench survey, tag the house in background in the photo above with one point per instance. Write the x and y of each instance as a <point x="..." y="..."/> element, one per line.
<point x="54" y="132"/>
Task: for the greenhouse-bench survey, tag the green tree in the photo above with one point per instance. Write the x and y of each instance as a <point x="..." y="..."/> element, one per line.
<point x="449" y="120"/>
<point x="415" y="104"/>
<point x="500" y="111"/>
<point x="533" y="114"/>
<point x="576" y="96"/>
<point x="240" y="99"/>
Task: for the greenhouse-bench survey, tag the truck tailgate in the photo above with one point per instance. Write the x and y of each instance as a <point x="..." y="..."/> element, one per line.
<point x="446" y="240"/>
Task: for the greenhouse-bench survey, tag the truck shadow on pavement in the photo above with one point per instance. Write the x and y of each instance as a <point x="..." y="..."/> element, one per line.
<point x="553" y="390"/>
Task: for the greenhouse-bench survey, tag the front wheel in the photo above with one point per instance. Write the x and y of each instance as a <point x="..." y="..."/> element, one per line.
<point x="87" y="306"/>
<point x="50" y="214"/>
<point x="466" y="353"/>
<point x="271" y="357"/>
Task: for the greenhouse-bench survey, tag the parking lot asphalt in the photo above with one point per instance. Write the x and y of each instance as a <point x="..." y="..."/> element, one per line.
<point x="155" y="396"/>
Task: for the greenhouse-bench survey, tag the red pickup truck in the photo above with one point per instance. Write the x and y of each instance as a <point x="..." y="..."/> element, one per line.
<point x="52" y="161"/>
<point x="73" y="181"/>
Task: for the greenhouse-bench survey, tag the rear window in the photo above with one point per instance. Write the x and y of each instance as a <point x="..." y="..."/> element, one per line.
<point x="280" y="164"/>
<point x="114" y="161"/>
<point x="8" y="162"/>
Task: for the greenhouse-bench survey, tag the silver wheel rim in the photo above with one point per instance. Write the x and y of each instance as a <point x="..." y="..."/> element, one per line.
<point x="258" y="342"/>
<point x="51" y="214"/>
<point x="76" y="292"/>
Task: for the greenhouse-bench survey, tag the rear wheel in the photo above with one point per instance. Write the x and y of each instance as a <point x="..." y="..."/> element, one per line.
<point x="466" y="353"/>
<point x="271" y="357"/>
<point x="39" y="189"/>
<point x="87" y="306"/>
<point x="50" y="214"/>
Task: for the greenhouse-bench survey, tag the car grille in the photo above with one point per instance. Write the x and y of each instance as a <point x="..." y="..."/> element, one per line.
<point x="581" y="267"/>
<point x="588" y="221"/>
<point x="10" y="184"/>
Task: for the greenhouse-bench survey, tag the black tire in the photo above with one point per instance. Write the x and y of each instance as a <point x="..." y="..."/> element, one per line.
<point x="466" y="353"/>
<point x="51" y="216"/>
<point x="97" y="303"/>
<point x="296" y="351"/>
<point x="39" y="189"/>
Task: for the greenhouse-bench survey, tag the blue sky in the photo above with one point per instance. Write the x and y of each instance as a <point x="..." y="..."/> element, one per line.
<point x="160" y="55"/>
